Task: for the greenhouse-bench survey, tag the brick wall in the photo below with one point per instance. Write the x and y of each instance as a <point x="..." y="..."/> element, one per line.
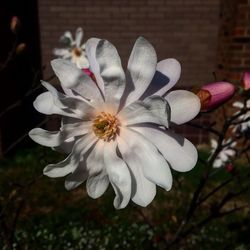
<point x="184" y="29"/>
<point x="234" y="42"/>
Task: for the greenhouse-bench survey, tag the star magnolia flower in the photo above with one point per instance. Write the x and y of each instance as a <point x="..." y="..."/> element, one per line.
<point x="224" y="155"/>
<point x="244" y="126"/>
<point x="116" y="130"/>
<point x="75" y="52"/>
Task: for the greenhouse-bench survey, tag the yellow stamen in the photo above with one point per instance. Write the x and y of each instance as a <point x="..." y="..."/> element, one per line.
<point x="106" y="126"/>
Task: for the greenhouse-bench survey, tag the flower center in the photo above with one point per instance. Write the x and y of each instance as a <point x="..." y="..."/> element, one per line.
<point x="106" y="126"/>
<point x="76" y="52"/>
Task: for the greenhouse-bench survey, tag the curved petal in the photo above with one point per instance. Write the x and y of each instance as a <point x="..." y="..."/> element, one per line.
<point x="111" y="72"/>
<point x="75" y="179"/>
<point x="154" y="109"/>
<point x="53" y="102"/>
<point x="98" y="181"/>
<point x="82" y="62"/>
<point x="56" y="138"/>
<point x="143" y="191"/>
<point x="72" y="161"/>
<point x="78" y="37"/>
<point x="146" y="156"/>
<point x="90" y="50"/>
<point x="97" y="185"/>
<point x="76" y="80"/>
<point x="184" y="106"/>
<point x="66" y="146"/>
<point x="119" y="175"/>
<point x="178" y="151"/>
<point x="141" y="69"/>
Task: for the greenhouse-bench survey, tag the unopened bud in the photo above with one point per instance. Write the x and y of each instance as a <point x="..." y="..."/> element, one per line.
<point x="15" y="24"/>
<point x="229" y="167"/>
<point x="20" y="48"/>
<point x="214" y="94"/>
<point x="246" y="80"/>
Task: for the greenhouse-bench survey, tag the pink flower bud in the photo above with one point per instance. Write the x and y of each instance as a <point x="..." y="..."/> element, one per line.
<point x="246" y="80"/>
<point x="89" y="73"/>
<point x="229" y="167"/>
<point x="214" y="94"/>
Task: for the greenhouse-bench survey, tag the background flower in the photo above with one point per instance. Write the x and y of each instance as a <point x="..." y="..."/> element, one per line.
<point x="74" y="51"/>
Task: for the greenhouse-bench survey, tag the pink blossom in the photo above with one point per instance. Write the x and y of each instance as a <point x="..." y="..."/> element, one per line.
<point x="246" y="80"/>
<point x="214" y="94"/>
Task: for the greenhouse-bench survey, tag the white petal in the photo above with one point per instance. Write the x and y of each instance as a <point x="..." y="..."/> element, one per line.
<point x="143" y="191"/>
<point x="79" y="35"/>
<point x="76" y="108"/>
<point x="97" y="185"/>
<point x="67" y="38"/>
<point x="90" y="49"/>
<point x="184" y="106"/>
<point x="230" y="152"/>
<point x="141" y="69"/>
<point x="75" y="179"/>
<point x="119" y="175"/>
<point x="64" y="53"/>
<point x="55" y="138"/>
<point x="238" y="105"/>
<point x="111" y="72"/>
<point x="178" y="151"/>
<point x="217" y="163"/>
<point x="75" y="79"/>
<point x="72" y="161"/>
<point x="146" y="156"/>
<point x="154" y="109"/>
<point x="166" y="76"/>
<point x="82" y="62"/>
<point x="66" y="146"/>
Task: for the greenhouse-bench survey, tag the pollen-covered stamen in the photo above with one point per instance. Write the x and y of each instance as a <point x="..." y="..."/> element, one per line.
<point x="76" y="52"/>
<point x="106" y="126"/>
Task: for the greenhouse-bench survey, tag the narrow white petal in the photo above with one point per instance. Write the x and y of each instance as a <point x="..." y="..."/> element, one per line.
<point x="72" y="161"/>
<point x="143" y="191"/>
<point x="53" y="102"/>
<point x="217" y="163"/>
<point x="184" y="106"/>
<point x="67" y="38"/>
<point x="61" y="52"/>
<point x="238" y="105"/>
<point x="180" y="153"/>
<point x="90" y="49"/>
<point x="76" y="80"/>
<point x="141" y="69"/>
<point x="154" y="109"/>
<point x="98" y="181"/>
<point x="145" y="155"/>
<point x="119" y="175"/>
<point x="97" y="185"/>
<point x="111" y="72"/>
<point x="56" y="138"/>
<point x="79" y="35"/>
<point x="75" y="179"/>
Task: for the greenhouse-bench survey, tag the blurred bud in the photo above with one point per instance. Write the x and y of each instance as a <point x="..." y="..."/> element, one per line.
<point x="229" y="167"/>
<point x="89" y="73"/>
<point x="15" y="24"/>
<point x="214" y="94"/>
<point x="20" y="48"/>
<point x="246" y="80"/>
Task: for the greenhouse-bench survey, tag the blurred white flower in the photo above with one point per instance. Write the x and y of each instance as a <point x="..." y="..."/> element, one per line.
<point x="244" y="126"/>
<point x="224" y="156"/>
<point x="74" y="51"/>
<point x="116" y="129"/>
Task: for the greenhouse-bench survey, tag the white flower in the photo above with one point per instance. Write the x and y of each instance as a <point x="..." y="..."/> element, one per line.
<point x="116" y="130"/>
<point x="74" y="52"/>
<point x="243" y="126"/>
<point x="224" y="155"/>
